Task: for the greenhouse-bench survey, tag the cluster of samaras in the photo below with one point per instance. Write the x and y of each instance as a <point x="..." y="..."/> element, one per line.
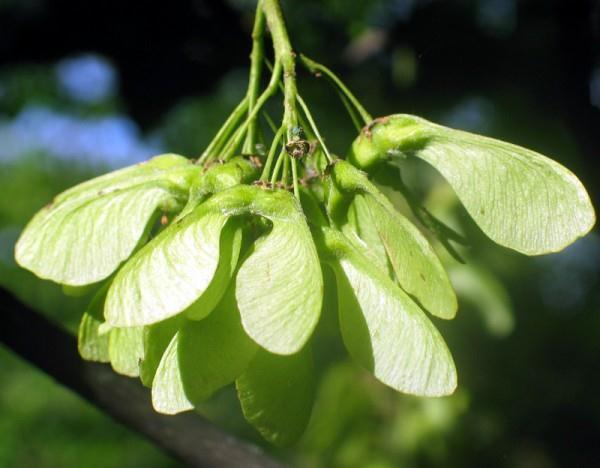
<point x="207" y="277"/>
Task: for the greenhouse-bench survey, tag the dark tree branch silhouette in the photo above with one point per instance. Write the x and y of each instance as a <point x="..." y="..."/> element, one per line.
<point x="187" y="437"/>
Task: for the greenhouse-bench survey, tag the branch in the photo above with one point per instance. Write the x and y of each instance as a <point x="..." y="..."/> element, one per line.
<point x="188" y="437"/>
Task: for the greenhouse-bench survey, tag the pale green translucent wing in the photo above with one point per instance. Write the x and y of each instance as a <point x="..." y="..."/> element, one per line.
<point x="170" y="272"/>
<point x="416" y="266"/>
<point x="361" y="229"/>
<point x="277" y="393"/>
<point x="93" y="345"/>
<point x="280" y="285"/>
<point x="383" y="328"/>
<point x="177" y="170"/>
<point x="168" y="394"/>
<point x="519" y="198"/>
<point x="231" y="242"/>
<point x="206" y="355"/>
<point x="88" y="231"/>
<point x="126" y="350"/>
<point x="156" y="339"/>
<point x="177" y="267"/>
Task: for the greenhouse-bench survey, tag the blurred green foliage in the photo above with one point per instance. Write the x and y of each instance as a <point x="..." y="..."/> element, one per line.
<point x="42" y="424"/>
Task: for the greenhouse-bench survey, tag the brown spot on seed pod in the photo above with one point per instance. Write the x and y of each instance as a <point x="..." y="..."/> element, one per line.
<point x="214" y="162"/>
<point x="368" y="129"/>
<point x="164" y="220"/>
<point x="263" y="184"/>
<point x="256" y="161"/>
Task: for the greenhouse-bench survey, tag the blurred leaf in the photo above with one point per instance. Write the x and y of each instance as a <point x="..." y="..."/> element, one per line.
<point x="479" y="287"/>
<point x="77" y="291"/>
<point x="342" y="400"/>
<point x="276" y="393"/>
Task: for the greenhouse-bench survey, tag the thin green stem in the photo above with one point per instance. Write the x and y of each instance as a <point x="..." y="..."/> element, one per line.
<point x="264" y="97"/>
<point x="267" y="169"/>
<point x="233" y="143"/>
<point x="270" y="122"/>
<point x="314" y="128"/>
<point x="351" y="112"/>
<point x="303" y="122"/>
<point x="286" y="169"/>
<point x="225" y="130"/>
<point x="295" y="178"/>
<point x="315" y="67"/>
<point x="256" y="58"/>
<point x="277" y="168"/>
<point x="284" y="54"/>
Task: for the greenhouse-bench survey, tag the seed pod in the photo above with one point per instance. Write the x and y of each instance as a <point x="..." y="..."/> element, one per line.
<point x="519" y="198"/>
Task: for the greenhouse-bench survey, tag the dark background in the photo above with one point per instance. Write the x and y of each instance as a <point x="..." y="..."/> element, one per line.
<point x="524" y="71"/>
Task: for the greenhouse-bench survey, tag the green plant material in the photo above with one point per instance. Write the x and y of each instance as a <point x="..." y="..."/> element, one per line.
<point x="276" y="394"/>
<point x="313" y="209"/>
<point x="93" y="345"/>
<point x="236" y="139"/>
<point x="317" y="68"/>
<point x="383" y="328"/>
<point x="89" y="230"/>
<point x="231" y="242"/>
<point x="78" y="291"/>
<point x="272" y="150"/>
<point x="126" y="350"/>
<point x="361" y="229"/>
<point x="156" y="339"/>
<point x="342" y="399"/>
<point x="255" y="74"/>
<point x="185" y="259"/>
<point x="478" y="287"/>
<point x="519" y="198"/>
<point x="225" y="130"/>
<point x="285" y="268"/>
<point x="416" y="266"/>
<point x="229" y="284"/>
<point x="173" y="270"/>
<point x="203" y="357"/>
<point x="168" y="394"/>
<point x="314" y="128"/>
<point x="442" y="232"/>
<point x="217" y="178"/>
